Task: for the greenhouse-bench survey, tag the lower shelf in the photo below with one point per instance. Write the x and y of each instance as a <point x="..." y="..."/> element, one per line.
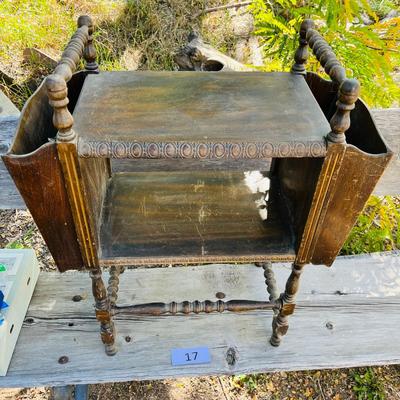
<point x="193" y="217"/>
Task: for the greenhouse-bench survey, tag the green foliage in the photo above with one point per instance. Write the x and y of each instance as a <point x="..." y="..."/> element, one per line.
<point x="28" y="24"/>
<point x="367" y="386"/>
<point x="23" y="242"/>
<point x="15" y="245"/>
<point x="369" y="52"/>
<point x="377" y="228"/>
<point x="249" y="382"/>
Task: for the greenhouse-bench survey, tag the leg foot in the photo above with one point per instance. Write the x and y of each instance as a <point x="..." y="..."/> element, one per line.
<point x="103" y="312"/>
<point x="285" y="306"/>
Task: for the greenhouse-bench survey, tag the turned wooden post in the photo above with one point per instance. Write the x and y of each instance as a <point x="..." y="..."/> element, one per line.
<point x="348" y="88"/>
<point x="62" y="119"/>
<point x="280" y="323"/>
<point x="89" y="53"/>
<point x="113" y="284"/>
<point x="325" y="56"/>
<point x="57" y="90"/>
<point x="340" y="122"/>
<point x="103" y="314"/>
<point x="270" y="281"/>
<point x="301" y="55"/>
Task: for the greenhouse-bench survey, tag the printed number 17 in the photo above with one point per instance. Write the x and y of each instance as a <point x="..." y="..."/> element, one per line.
<point x="194" y="356"/>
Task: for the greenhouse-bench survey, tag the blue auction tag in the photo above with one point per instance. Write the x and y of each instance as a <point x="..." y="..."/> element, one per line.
<point x="189" y="356"/>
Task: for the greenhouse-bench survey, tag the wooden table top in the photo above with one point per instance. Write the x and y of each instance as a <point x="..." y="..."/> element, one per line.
<point x="138" y="114"/>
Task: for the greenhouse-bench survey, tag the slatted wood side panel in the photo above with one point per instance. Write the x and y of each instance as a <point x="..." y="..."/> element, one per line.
<point x="346" y="316"/>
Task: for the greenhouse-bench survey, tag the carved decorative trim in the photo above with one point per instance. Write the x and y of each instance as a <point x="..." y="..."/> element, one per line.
<point x="195" y="259"/>
<point x="192" y="150"/>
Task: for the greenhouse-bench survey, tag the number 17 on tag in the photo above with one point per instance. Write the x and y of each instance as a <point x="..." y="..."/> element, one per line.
<point x="189" y="356"/>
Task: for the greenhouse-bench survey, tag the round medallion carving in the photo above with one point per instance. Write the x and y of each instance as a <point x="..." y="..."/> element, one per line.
<point x="152" y="150"/>
<point x="186" y="150"/>
<point x="236" y="150"/>
<point x="135" y="150"/>
<point x="203" y="150"/>
<point x="219" y="150"/>
<point x="267" y="150"/>
<point x="251" y="150"/>
<point x="170" y="150"/>
<point x="119" y="150"/>
<point x="284" y="149"/>
<point x="103" y="150"/>
<point x="300" y="150"/>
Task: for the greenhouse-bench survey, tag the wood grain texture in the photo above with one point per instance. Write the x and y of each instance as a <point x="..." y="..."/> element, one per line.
<point x="39" y="178"/>
<point x="7" y="108"/>
<point x="34" y="165"/>
<point x="347" y="179"/>
<point x="198" y="115"/>
<point x="137" y="165"/>
<point x="388" y="123"/>
<point x="359" y="297"/>
<point x="151" y="218"/>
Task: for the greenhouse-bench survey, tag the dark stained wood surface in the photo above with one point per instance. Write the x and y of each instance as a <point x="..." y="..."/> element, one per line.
<point x="169" y="114"/>
<point x="387" y="121"/>
<point x="39" y="178"/>
<point x="33" y="162"/>
<point x="191" y="217"/>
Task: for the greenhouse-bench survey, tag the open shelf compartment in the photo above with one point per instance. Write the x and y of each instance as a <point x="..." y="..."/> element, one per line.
<point x="193" y="217"/>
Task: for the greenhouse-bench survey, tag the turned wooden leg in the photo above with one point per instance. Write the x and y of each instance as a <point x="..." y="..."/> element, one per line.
<point x="113" y="283"/>
<point x="280" y="323"/>
<point x="270" y="281"/>
<point x="103" y="312"/>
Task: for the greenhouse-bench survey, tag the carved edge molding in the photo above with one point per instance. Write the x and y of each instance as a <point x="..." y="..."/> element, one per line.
<point x="193" y="150"/>
<point x="105" y="262"/>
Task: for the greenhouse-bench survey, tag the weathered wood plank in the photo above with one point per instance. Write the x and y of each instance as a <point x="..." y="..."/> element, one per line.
<point x="358" y="296"/>
<point x="388" y="122"/>
<point x="7" y="108"/>
<point x="9" y="114"/>
<point x="9" y="195"/>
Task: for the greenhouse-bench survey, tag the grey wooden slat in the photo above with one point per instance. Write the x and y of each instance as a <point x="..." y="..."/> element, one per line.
<point x="359" y="296"/>
<point x="7" y="107"/>
<point x="9" y="195"/>
<point x="388" y="122"/>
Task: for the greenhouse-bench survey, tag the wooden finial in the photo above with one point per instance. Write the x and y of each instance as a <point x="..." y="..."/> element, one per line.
<point x="62" y="119"/>
<point x="89" y="53"/>
<point x="301" y="55"/>
<point x="349" y="91"/>
<point x="56" y="84"/>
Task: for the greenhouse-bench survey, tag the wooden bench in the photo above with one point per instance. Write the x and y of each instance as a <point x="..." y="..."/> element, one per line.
<point x="346" y="316"/>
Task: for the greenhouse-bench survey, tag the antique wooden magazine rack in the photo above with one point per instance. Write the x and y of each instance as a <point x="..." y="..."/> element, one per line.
<point x="122" y="168"/>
